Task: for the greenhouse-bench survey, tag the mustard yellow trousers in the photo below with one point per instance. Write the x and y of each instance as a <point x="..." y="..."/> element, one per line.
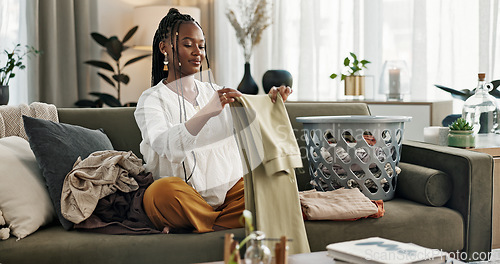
<point x="170" y="202"/>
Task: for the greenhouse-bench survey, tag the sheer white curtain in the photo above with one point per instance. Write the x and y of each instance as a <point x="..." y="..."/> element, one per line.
<point x="303" y="39"/>
<point x="490" y="37"/>
<point x="227" y="60"/>
<point x="453" y="46"/>
<point x="443" y="42"/>
<point x="12" y="31"/>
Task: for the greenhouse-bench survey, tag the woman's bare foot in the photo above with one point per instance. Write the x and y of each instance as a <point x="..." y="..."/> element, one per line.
<point x="166" y="230"/>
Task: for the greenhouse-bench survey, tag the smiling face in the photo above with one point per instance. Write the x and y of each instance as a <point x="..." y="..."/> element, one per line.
<point x="190" y="51"/>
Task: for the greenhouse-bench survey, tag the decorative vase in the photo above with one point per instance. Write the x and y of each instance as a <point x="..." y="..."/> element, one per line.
<point x="481" y="109"/>
<point x="257" y="252"/>
<point x="4" y="94"/>
<point x="355" y="87"/>
<point x="276" y="78"/>
<point x="247" y="84"/>
<point x="461" y="138"/>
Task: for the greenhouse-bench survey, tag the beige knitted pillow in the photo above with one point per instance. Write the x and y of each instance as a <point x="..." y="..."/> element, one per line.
<point x="11" y="117"/>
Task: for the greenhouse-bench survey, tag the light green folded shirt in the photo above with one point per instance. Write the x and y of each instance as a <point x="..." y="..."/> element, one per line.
<point x="270" y="153"/>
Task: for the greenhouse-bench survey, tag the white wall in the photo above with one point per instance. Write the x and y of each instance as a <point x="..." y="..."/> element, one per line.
<point x="115" y="18"/>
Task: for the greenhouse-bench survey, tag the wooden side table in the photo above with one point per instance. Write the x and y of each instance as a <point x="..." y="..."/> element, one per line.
<point x="490" y="144"/>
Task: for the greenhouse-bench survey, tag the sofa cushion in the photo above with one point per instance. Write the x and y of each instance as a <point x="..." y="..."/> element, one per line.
<point x="424" y="185"/>
<point x="24" y="199"/>
<point x="404" y="221"/>
<point x="55" y="245"/>
<point x="56" y="147"/>
<point x="118" y="122"/>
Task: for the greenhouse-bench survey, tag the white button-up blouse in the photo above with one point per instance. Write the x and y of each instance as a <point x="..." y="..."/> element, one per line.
<point x="212" y="157"/>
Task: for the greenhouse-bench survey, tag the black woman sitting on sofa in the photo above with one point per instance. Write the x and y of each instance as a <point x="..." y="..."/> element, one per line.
<point x="187" y="135"/>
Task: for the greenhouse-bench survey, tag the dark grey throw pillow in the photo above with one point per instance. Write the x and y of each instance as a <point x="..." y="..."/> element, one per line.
<point x="56" y="147"/>
<point x="424" y="185"/>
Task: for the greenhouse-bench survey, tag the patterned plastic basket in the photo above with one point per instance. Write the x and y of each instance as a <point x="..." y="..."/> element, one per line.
<point x="354" y="152"/>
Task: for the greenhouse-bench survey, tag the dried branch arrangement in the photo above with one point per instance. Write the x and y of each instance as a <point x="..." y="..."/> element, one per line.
<point x="249" y="19"/>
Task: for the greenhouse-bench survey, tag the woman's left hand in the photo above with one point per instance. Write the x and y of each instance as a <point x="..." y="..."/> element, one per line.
<point x="284" y="91"/>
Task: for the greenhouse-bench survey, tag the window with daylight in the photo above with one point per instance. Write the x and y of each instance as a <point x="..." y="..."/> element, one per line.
<point x="442" y="42"/>
<point x="13" y="31"/>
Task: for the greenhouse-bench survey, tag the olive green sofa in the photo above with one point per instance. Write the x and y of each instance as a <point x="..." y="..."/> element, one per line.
<point x="463" y="224"/>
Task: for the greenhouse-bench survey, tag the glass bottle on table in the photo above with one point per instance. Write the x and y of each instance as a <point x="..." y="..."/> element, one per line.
<point x="481" y="109"/>
<point x="257" y="252"/>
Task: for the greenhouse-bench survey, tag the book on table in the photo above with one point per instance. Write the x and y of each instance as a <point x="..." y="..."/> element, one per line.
<point x="376" y="250"/>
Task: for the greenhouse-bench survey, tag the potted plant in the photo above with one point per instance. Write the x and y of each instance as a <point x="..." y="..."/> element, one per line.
<point x="354" y="81"/>
<point x="114" y="48"/>
<point x="14" y="61"/>
<point x="461" y="134"/>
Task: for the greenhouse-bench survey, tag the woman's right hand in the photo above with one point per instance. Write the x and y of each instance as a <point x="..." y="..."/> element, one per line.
<point x="213" y="108"/>
<point x="220" y="99"/>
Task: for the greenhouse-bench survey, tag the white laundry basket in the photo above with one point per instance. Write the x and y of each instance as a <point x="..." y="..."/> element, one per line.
<point x="354" y="151"/>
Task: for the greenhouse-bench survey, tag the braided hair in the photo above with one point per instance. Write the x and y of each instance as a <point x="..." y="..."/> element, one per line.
<point x="168" y="28"/>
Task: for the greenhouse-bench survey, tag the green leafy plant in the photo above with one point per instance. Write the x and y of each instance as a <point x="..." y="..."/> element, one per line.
<point x="114" y="48"/>
<point x="460" y="124"/>
<point x="352" y="67"/>
<point x="15" y="60"/>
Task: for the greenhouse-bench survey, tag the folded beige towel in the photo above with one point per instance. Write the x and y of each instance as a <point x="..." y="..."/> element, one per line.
<point x="338" y="204"/>
<point x="11" y="117"/>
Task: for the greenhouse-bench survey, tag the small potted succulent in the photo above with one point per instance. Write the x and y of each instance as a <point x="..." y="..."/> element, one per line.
<point x="461" y="134"/>
<point x="354" y="81"/>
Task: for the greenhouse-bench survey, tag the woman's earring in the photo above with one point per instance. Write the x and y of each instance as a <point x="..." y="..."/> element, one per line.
<point x="165" y="62"/>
